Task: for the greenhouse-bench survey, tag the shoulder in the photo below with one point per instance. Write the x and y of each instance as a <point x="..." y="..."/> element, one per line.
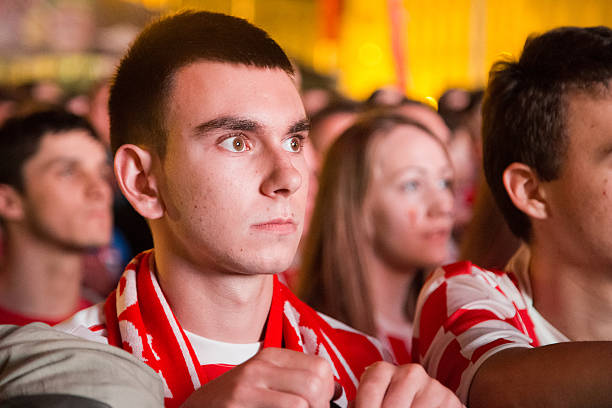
<point x="50" y="361"/>
<point x="464" y="315"/>
<point x="88" y="323"/>
<point x="463" y="282"/>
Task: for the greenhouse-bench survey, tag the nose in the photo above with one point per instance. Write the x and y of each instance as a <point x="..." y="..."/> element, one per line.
<point x="282" y="177"/>
<point x="98" y="188"/>
<point x="442" y="203"/>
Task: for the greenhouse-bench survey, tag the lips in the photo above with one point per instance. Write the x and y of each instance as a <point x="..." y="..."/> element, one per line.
<point x="438" y="234"/>
<point x="278" y="225"/>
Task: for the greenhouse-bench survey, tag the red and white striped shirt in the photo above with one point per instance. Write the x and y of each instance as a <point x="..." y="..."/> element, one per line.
<point x="466" y="313"/>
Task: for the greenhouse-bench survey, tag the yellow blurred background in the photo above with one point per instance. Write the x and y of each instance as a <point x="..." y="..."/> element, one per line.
<point x="423" y="47"/>
<point x="442" y="43"/>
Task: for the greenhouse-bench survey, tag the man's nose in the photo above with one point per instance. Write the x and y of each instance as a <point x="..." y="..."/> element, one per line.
<point x="283" y="178"/>
<point x="98" y="187"/>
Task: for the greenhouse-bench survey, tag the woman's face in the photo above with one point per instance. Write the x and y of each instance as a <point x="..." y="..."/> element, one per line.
<point x="409" y="203"/>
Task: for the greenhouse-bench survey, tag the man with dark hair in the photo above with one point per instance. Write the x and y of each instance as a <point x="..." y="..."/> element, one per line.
<point x="55" y="204"/>
<point x="539" y="334"/>
<point x="208" y="129"/>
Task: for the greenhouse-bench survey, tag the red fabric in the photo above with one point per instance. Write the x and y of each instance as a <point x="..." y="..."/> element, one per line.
<point x="464" y="312"/>
<point x="400" y="349"/>
<point x="10" y="317"/>
<point x="139" y="320"/>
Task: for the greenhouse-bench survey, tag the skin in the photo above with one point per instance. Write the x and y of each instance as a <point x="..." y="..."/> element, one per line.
<point x="226" y="207"/>
<point x="410" y="199"/>
<point x="428" y="118"/>
<point x="409" y="208"/>
<point x="65" y="208"/>
<point x="570" y="261"/>
<point x="67" y="194"/>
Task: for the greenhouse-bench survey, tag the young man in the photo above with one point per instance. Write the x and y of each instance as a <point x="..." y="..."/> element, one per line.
<point x="55" y="204"/>
<point x="208" y="130"/>
<point x="539" y="334"/>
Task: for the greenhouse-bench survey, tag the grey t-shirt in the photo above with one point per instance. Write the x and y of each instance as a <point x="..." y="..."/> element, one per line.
<point x="37" y="359"/>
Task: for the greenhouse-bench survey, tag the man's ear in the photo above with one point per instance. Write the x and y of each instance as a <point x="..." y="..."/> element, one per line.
<point x="11" y="203"/>
<point x="134" y="171"/>
<point x="525" y="190"/>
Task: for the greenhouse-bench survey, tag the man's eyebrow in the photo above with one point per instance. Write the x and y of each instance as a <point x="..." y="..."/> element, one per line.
<point x="227" y="123"/>
<point x="300" y="126"/>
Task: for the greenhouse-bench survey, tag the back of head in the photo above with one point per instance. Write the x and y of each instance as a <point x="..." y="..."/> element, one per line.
<point x="20" y="138"/>
<point x="143" y="80"/>
<point x="524" y="110"/>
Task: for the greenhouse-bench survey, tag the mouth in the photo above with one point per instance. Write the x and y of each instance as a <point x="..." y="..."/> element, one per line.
<point x="282" y="226"/>
<point x="438" y="234"/>
<point x="100" y="214"/>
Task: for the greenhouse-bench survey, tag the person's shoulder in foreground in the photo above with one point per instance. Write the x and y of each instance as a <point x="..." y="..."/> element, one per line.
<point x="208" y="130"/>
<point x="33" y="356"/>
<point x="539" y="333"/>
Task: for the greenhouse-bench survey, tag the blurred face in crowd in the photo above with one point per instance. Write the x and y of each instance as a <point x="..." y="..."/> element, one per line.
<point x="409" y="204"/>
<point x="67" y="193"/>
<point x="234" y="178"/>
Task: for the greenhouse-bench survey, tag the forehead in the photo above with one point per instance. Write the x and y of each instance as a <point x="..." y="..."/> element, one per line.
<point x="203" y="90"/>
<point x="428" y="118"/>
<point x="406" y="145"/>
<point x="75" y="142"/>
<point x="588" y="121"/>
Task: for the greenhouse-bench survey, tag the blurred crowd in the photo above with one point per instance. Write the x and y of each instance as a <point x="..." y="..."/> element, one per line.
<point x="383" y="209"/>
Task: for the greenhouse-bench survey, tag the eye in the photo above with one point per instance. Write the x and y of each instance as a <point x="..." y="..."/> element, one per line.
<point x="446" y="184"/>
<point x="67" y="170"/>
<point x="235" y="144"/>
<point x="293" y="144"/>
<point x="410" y="185"/>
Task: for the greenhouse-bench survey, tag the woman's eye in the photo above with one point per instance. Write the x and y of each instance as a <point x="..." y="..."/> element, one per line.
<point x="412" y="185"/>
<point x="235" y="144"/>
<point x="446" y="184"/>
<point x="293" y="144"/>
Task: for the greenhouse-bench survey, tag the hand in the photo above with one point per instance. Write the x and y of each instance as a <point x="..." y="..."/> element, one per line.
<point x="389" y="386"/>
<point x="273" y="378"/>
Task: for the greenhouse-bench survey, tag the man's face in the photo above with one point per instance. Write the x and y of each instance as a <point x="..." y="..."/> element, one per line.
<point x="580" y="200"/>
<point x="234" y="178"/>
<point x="67" y="194"/>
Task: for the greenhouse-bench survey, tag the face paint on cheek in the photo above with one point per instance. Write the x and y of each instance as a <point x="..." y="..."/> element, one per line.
<point x="411" y="213"/>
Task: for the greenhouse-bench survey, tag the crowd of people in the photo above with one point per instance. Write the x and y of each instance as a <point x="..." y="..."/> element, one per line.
<point x="294" y="247"/>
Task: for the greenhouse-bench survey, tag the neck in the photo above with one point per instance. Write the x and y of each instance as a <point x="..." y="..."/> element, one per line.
<point x="390" y="288"/>
<point x="576" y="298"/>
<point x="218" y="305"/>
<point x="39" y="279"/>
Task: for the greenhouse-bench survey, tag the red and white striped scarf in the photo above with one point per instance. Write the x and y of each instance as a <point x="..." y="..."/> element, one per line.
<point x="139" y="320"/>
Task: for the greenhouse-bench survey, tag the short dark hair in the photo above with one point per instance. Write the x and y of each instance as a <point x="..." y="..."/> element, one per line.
<point x="525" y="105"/>
<point x="144" y="77"/>
<point x="20" y="138"/>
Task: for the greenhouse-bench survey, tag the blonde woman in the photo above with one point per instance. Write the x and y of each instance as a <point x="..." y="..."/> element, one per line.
<point x="383" y="216"/>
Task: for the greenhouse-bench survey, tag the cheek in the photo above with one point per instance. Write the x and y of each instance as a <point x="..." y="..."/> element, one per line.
<point x="397" y="220"/>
